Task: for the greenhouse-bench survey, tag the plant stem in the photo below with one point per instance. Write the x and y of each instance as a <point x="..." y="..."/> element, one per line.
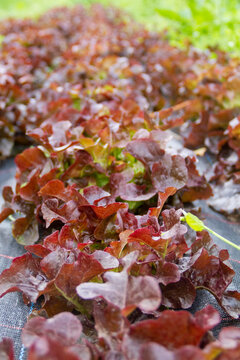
<point x="77" y="305"/>
<point x="223" y="238"/>
<point x="196" y="224"/>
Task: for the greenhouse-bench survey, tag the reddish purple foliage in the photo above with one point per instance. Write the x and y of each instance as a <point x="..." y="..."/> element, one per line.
<point x="106" y="180"/>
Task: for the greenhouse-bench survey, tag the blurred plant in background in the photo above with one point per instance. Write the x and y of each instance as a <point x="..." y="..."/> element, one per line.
<point x="202" y="22"/>
<point x="205" y="23"/>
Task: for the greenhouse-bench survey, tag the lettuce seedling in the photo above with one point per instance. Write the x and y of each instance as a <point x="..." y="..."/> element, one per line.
<point x="196" y="224"/>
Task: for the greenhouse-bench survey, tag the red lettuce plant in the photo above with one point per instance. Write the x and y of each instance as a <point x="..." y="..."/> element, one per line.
<point x="106" y="181"/>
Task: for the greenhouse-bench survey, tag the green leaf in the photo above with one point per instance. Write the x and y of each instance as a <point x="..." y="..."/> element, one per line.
<point x="1" y="39"/>
<point x="171" y="15"/>
<point x="101" y="179"/>
<point x="133" y="205"/>
<point x="77" y="104"/>
<point x="194" y="222"/>
<point x="118" y="153"/>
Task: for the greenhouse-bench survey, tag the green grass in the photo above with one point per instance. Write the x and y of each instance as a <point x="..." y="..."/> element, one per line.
<point x="203" y="22"/>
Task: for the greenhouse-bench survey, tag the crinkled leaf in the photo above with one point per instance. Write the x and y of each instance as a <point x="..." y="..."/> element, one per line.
<point x="124" y="291"/>
<point x="179" y="295"/>
<point x="64" y="328"/>
<point x="6" y="349"/>
<point x="109" y="322"/>
<point x="209" y="272"/>
<point x="24" y="275"/>
<point x="230" y="301"/>
<point x="164" y="331"/>
<point x="82" y="270"/>
<point x="25" y="230"/>
<point x="170" y="171"/>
